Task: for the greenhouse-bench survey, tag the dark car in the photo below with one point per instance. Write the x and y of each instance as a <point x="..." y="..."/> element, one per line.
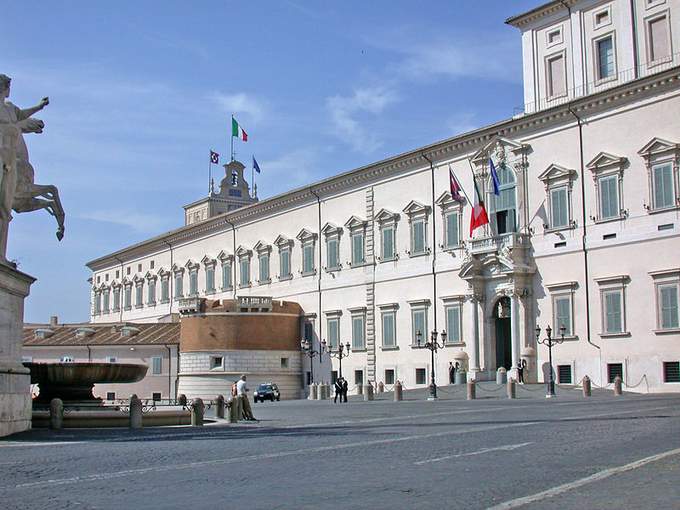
<point x="267" y="392"/>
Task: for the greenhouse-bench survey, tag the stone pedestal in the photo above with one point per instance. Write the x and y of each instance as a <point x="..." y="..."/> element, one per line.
<point x="15" y="379"/>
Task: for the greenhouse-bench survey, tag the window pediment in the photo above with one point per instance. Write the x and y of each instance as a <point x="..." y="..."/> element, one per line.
<point x="177" y="269"/>
<point x="150" y="276"/>
<point x="385" y="216"/>
<point x="138" y="279"/>
<point x="355" y="223"/>
<point x="606" y="161"/>
<point x="330" y="229"/>
<point x="242" y="251"/>
<point x="482" y="155"/>
<point x="659" y="147"/>
<point x="223" y="256"/>
<point x="282" y="241"/>
<point x="415" y="208"/>
<point x="162" y="272"/>
<point x="446" y="201"/>
<point x="191" y="265"/>
<point x="208" y="261"/>
<point x="262" y="247"/>
<point x="306" y="235"/>
<point x="557" y="173"/>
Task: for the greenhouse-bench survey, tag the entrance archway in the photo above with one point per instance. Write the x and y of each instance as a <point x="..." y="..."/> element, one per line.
<point x="502" y="311"/>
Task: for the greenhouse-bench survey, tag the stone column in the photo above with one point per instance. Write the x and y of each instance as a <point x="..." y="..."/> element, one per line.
<point x="474" y="351"/>
<point x="514" y="334"/>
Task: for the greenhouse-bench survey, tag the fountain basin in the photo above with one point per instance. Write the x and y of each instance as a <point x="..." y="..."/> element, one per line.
<point x="73" y="382"/>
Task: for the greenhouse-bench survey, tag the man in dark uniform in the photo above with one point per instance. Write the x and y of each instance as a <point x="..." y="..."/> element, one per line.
<point x="338" y="390"/>
<point x="345" y="387"/>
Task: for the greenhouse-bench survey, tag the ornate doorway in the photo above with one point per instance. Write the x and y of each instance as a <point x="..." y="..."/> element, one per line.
<point x="502" y="312"/>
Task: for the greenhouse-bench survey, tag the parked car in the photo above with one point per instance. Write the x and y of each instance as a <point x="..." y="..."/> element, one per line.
<point x="268" y="391"/>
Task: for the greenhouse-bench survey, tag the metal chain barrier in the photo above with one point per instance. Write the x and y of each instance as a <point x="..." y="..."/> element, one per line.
<point x="643" y="378"/>
<point x="541" y="387"/>
<point x="500" y="387"/>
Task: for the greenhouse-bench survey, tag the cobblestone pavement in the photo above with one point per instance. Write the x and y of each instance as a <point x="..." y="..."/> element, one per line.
<point x="568" y="452"/>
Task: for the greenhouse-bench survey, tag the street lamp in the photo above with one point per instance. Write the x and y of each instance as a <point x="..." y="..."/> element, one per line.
<point x="550" y="341"/>
<point x="432" y="345"/>
<point x="341" y="352"/>
<point x="308" y="350"/>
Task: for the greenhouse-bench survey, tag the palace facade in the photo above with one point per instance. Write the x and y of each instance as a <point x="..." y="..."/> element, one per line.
<point x="584" y="234"/>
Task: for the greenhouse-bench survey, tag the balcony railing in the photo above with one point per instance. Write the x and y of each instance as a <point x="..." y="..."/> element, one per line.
<point x="497" y="243"/>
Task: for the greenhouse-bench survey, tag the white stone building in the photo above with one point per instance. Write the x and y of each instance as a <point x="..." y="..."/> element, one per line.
<point x="584" y="233"/>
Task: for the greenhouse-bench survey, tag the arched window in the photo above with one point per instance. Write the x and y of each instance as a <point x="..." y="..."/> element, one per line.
<point x="503" y="207"/>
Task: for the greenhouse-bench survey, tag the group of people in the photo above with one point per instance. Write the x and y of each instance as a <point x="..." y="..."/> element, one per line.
<point x="341" y="388"/>
<point x="239" y="395"/>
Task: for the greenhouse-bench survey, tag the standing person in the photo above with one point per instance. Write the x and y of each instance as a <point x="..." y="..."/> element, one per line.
<point x="242" y="392"/>
<point x="452" y="373"/>
<point x="520" y="370"/>
<point x="345" y="388"/>
<point x="338" y="390"/>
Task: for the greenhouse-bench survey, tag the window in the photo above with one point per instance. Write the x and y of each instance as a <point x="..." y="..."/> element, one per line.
<point x="139" y="268"/>
<point x="179" y="284"/>
<point x="614" y="370"/>
<point x="389" y="376"/>
<point x="358" y="331"/>
<point x="418" y="237"/>
<point x="453" y="329"/>
<point x="308" y="331"/>
<point x="559" y="210"/>
<point x="284" y="263"/>
<point x="387" y="251"/>
<point x="116" y="299"/>
<point x="358" y="248"/>
<point x="308" y="258"/>
<point x="157" y="365"/>
<point x="284" y="362"/>
<point x="110" y="395"/>
<point x="558" y="182"/>
<point x="564" y="374"/>
<point x="111" y="359"/>
<point x="664" y="188"/>
<point x="613" y="305"/>
<point x="226" y="275"/>
<point x="389" y="333"/>
<point x="668" y="306"/>
<point x="358" y="377"/>
<point x="658" y="44"/>
<point x="562" y="317"/>
<point x="165" y="289"/>
<point x="216" y="362"/>
<point x="418" y="214"/>
<point x="602" y="18"/>
<point x="503" y="205"/>
<point x="452" y="232"/>
<point x="151" y="264"/>
<point x="556" y="77"/>
<point x="609" y="197"/>
<point x="608" y="175"/>
<point x="210" y="278"/>
<point x="671" y="372"/>
<point x="106" y="297"/>
<point x="418" y="324"/>
<point x="421" y="376"/>
<point x="193" y="282"/>
<point x="97" y="303"/>
<point x="333" y="331"/>
<point x="156" y="397"/>
<point x="244" y="272"/>
<point x="605" y="58"/>
<point x="139" y="295"/>
<point x="554" y="36"/>
<point x="332" y="253"/>
<point x="128" y="297"/>
<point x="151" y="291"/>
<point x="264" y="268"/>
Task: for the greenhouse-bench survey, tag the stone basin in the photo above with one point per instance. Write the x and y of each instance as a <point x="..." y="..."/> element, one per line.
<point x="73" y="382"/>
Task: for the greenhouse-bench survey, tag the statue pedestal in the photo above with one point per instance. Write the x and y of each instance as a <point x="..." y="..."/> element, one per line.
<point x="15" y="379"/>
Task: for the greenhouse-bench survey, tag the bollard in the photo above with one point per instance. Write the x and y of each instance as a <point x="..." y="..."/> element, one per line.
<point x="135" y="412"/>
<point x="234" y="410"/>
<point x="219" y="406"/>
<point x="360" y="389"/>
<point x="321" y="392"/>
<point x="471" y="390"/>
<point x="618" y="386"/>
<point x="511" y="388"/>
<point x="313" y="391"/>
<point x="56" y="414"/>
<point x="398" y="392"/>
<point x="182" y="399"/>
<point x="197" y="409"/>
<point x="381" y="387"/>
<point x="461" y="377"/>
<point x="501" y="376"/>
<point x="586" y="387"/>
<point x="368" y="392"/>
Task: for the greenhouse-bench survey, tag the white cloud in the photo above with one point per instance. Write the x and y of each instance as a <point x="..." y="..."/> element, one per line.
<point x="240" y="103"/>
<point x="290" y="170"/>
<point x="345" y="110"/>
<point x="137" y="220"/>
<point x="461" y="123"/>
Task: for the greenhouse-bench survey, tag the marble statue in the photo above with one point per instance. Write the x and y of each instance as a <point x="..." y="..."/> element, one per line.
<point x="18" y="190"/>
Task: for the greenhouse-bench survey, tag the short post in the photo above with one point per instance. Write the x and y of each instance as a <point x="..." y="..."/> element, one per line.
<point x="501" y="376"/>
<point x="461" y="376"/>
<point x="587" y="391"/>
<point x="313" y="391"/>
<point x="381" y="387"/>
<point x="56" y="414"/>
<point x="360" y="389"/>
<point x="239" y="408"/>
<point x="618" y="386"/>
<point x="182" y="399"/>
<point x="368" y="392"/>
<point x="233" y="410"/>
<point x="197" y="409"/>
<point x="321" y="392"/>
<point x="135" y="412"/>
<point x="398" y="392"/>
<point x="471" y="390"/>
<point x="511" y="388"/>
<point x="219" y="406"/>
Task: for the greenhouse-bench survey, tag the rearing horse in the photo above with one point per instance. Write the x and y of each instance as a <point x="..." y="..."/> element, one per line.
<point x="30" y="196"/>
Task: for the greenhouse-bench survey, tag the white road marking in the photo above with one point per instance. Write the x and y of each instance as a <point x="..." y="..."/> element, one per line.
<point x="560" y="489"/>
<point x="507" y="447"/>
<point x="15" y="444"/>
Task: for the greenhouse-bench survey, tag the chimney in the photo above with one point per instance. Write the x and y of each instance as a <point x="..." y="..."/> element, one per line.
<point x="54" y="321"/>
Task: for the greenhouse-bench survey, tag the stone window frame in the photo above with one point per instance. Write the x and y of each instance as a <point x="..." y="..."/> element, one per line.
<point x="663" y="278"/>
<point x="244" y="254"/>
<point x="450" y="206"/>
<point x="418" y="305"/>
<point x="358" y="312"/>
<point x="596" y="58"/>
<point x="105" y="291"/>
<point x="263" y="250"/>
<point x="153" y="365"/>
<point x="307" y="238"/>
<point x="284" y="244"/>
<point x="210" y="263"/>
<point x="553" y="178"/>
<point x="648" y="20"/>
<point x="563" y="290"/>
<point x="659" y="152"/>
<point x="332" y="232"/>
<point x="127" y="285"/>
<point x="334" y="315"/>
<point x="456" y="301"/>
<point x="387" y="219"/>
<point x="192" y="269"/>
<point x="138" y="281"/>
<point x="607" y="165"/>
<point x="356" y="226"/>
<point x="226" y="259"/>
<point x="417" y="212"/>
<point x="97" y="301"/>
<point x="550" y="96"/>
<point x="178" y="272"/>
<point x="556" y="29"/>
<point x="151" y="281"/>
<point x="608" y="285"/>
<point x="388" y="309"/>
<point x="605" y="10"/>
<point x="117" y="290"/>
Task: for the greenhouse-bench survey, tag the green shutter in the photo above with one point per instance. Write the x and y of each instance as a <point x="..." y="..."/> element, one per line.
<point x="669" y="307"/>
<point x="452" y="238"/>
<point x="388" y="242"/>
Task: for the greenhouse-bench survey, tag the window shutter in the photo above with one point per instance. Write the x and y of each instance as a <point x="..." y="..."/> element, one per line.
<point x="452" y="238"/>
<point x="658" y="35"/>
<point x="669" y="307"/>
<point x="388" y="242"/>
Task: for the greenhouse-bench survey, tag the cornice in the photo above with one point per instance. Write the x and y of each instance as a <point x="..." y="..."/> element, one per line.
<point x="539" y="12"/>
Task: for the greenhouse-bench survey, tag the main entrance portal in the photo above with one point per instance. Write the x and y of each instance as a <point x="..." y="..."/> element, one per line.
<point x="502" y="312"/>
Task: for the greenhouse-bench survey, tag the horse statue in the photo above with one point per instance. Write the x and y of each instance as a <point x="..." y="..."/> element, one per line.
<point x="30" y="196"/>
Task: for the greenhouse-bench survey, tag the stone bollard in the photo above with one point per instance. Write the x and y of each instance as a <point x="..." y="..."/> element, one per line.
<point x="618" y="386"/>
<point x="381" y="387"/>
<point x="501" y="376"/>
<point x="219" y="406"/>
<point x="511" y="388"/>
<point x="234" y="411"/>
<point x="182" y="399"/>
<point x="313" y="391"/>
<point x="56" y="414"/>
<point x="461" y="377"/>
<point x="135" y="412"/>
<point x="321" y="392"/>
<point x="368" y="392"/>
<point x="398" y="392"/>
<point x="587" y="391"/>
<point x="197" y="410"/>
<point x="471" y="390"/>
<point x="360" y="389"/>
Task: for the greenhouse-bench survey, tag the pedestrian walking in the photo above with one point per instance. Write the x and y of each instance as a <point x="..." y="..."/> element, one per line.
<point x="242" y="394"/>
<point x="345" y="388"/>
<point x="338" y="390"/>
<point x="521" y="365"/>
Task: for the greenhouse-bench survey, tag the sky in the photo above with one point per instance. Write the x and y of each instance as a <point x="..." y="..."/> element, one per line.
<point x="141" y="91"/>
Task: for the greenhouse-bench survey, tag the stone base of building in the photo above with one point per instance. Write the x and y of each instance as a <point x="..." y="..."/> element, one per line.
<point x="15" y="379"/>
<point x="208" y="386"/>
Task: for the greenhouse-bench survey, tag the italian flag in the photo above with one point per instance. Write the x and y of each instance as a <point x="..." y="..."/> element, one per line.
<point x="478" y="215"/>
<point x="238" y="131"/>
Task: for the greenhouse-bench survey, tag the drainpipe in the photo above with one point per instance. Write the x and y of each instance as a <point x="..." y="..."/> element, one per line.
<point x="434" y="244"/>
<point x="571" y="41"/>
<point x="233" y="260"/>
<point x="584" y="246"/>
<point x="633" y="25"/>
<point x="171" y="295"/>
<point x="122" y="291"/>
<point x="170" y="370"/>
<point x="89" y="353"/>
<point x="318" y="202"/>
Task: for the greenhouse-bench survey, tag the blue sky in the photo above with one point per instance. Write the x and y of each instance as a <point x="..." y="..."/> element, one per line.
<point x="140" y="91"/>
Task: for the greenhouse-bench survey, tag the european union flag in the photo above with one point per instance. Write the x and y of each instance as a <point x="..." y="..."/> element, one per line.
<point x="494" y="178"/>
<point x="256" y="167"/>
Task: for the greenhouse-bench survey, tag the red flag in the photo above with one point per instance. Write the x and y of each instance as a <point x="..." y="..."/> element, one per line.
<point x="478" y="216"/>
<point x="455" y="187"/>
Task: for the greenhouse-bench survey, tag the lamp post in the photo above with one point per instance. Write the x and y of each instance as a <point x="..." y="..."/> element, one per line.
<point x="432" y="344"/>
<point x="341" y="352"/>
<point x="308" y="350"/>
<point x="550" y="341"/>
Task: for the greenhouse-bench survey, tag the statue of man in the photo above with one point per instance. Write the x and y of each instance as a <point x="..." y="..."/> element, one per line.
<point x="10" y="115"/>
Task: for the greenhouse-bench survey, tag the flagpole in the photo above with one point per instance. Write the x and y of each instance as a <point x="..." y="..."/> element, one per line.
<point x="252" y="176"/>
<point x="232" y="136"/>
<point x="209" y="171"/>
<point x="461" y="186"/>
<point x="475" y="185"/>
